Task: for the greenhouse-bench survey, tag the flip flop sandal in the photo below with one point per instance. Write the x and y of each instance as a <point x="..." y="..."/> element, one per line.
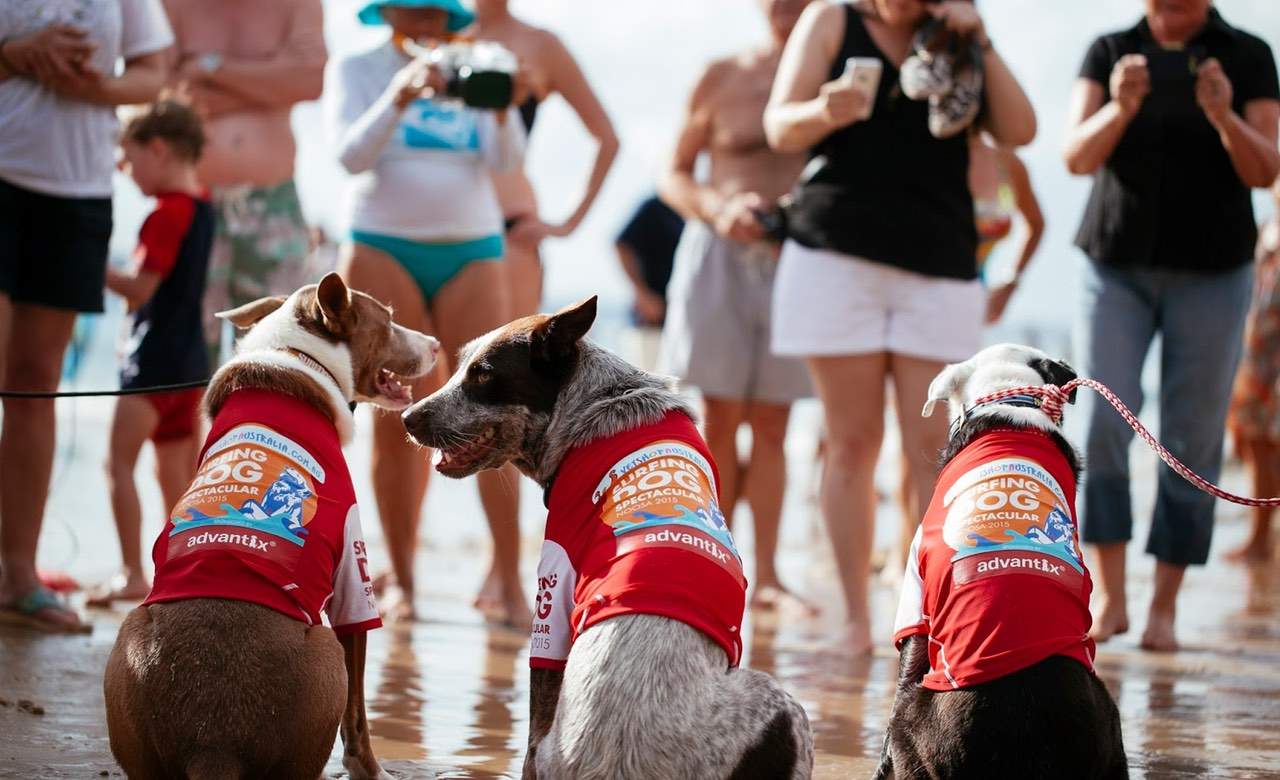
<point x="930" y="68"/>
<point x="26" y="611"/>
<point x="955" y="111"/>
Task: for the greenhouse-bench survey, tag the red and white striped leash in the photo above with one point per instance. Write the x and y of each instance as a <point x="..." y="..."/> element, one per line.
<point x="1051" y="399"/>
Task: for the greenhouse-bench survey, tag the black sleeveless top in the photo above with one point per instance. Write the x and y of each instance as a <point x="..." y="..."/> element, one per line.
<point x="884" y="189"/>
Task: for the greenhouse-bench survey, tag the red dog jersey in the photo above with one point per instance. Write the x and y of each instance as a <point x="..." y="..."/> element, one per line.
<point x="270" y="518"/>
<point x="634" y="526"/>
<point x="994" y="577"/>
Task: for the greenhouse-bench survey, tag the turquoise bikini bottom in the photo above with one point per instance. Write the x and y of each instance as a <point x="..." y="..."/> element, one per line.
<point x="432" y="265"/>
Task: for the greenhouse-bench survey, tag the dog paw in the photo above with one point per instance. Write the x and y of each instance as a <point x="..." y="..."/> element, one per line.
<point x="364" y="768"/>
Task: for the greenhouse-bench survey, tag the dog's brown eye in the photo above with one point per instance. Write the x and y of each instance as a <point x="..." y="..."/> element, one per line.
<point x="481" y="376"/>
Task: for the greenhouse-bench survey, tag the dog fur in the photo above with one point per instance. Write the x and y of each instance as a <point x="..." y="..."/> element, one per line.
<point x="218" y="688"/>
<point x="642" y="696"/>
<point x="1051" y="720"/>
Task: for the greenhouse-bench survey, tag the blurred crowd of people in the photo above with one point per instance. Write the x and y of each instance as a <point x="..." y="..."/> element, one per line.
<point x="821" y="228"/>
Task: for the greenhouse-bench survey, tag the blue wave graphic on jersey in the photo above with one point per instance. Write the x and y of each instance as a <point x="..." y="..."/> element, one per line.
<point x="1056" y="538"/>
<point x="430" y="125"/>
<point x="279" y="513"/>
<point x="711" y="523"/>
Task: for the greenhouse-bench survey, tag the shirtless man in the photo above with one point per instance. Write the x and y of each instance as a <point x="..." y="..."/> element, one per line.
<point x="244" y="64"/>
<point x="716" y="336"/>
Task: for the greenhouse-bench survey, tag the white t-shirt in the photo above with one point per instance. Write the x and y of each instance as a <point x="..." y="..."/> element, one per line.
<point x="59" y="146"/>
<point x="422" y="173"/>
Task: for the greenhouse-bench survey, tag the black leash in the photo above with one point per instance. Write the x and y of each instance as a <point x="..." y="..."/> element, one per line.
<point x="102" y="393"/>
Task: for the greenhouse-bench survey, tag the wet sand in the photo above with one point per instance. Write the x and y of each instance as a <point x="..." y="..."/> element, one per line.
<point x="448" y="696"/>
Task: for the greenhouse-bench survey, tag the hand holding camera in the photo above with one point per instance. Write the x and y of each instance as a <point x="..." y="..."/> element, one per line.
<point x="1213" y="91"/>
<point x="1130" y="82"/>
<point x="420" y="78"/>
<point x="480" y="74"/>
<point x="844" y="101"/>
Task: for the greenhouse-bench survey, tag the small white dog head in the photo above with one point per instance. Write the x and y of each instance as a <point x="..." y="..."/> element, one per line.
<point x="999" y="367"/>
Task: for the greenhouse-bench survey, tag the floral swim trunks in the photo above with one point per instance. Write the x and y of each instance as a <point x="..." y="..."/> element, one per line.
<point x="261" y="248"/>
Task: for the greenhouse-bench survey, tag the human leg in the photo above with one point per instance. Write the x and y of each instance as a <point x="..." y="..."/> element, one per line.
<point x="851" y="389"/>
<point x="765" y="481"/>
<point x="721" y="418"/>
<point x="27" y="441"/>
<point x="470" y="304"/>
<point x="1113" y="333"/>
<point x="399" y="469"/>
<point x="1202" y="324"/>
<point x="133" y="423"/>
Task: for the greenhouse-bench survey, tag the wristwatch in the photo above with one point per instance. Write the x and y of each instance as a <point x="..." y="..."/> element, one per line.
<point x="209" y="62"/>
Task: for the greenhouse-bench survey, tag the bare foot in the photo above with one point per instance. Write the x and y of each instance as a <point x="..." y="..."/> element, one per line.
<point x="502" y="604"/>
<point x="396" y="604"/>
<point x="380" y="581"/>
<point x="1253" y="551"/>
<point x="1111" y="621"/>
<point x="118" y="588"/>
<point x="1159" y="636"/>
<point x="854" y="640"/>
<point x="770" y="595"/>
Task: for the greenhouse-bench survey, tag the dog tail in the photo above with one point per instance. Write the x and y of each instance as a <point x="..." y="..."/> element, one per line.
<point x="214" y="766"/>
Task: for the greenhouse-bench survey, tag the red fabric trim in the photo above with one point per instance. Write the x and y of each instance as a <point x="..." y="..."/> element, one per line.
<point x="355" y="628"/>
<point x="546" y="663"/>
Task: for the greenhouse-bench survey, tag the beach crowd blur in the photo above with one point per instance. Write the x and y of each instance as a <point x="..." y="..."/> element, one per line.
<point x="822" y="226"/>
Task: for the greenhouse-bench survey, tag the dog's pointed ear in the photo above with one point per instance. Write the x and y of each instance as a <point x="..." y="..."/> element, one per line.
<point x="556" y="337"/>
<point x="333" y="300"/>
<point x="1055" y="372"/>
<point x="946" y="384"/>
<point x="249" y="314"/>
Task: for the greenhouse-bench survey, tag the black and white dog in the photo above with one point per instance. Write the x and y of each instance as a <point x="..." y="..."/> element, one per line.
<point x="995" y="667"/>
<point x="634" y="651"/>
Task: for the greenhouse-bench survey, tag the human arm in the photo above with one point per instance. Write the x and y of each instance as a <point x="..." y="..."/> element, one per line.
<point x="650" y="307"/>
<point x="733" y="217"/>
<point x="567" y="79"/>
<point x="140" y="82"/>
<point x="502" y="139"/>
<point x="363" y="115"/>
<point x="1250" y="140"/>
<point x="1029" y="207"/>
<point x="136" y="288"/>
<point x="1010" y="118"/>
<point x="295" y="73"/>
<point x="57" y="51"/>
<point x="1096" y="123"/>
<point x="544" y="693"/>
<point x="804" y="107"/>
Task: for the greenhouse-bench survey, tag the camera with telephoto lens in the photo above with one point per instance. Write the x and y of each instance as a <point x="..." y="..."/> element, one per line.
<point x="480" y="74"/>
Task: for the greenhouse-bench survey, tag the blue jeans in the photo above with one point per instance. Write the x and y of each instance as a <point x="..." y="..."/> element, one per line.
<point x="1200" y="318"/>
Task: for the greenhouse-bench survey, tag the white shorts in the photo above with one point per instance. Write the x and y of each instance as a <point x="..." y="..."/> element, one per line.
<point x="826" y="303"/>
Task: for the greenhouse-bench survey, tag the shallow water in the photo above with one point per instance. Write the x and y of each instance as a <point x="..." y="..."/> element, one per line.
<point x="447" y="696"/>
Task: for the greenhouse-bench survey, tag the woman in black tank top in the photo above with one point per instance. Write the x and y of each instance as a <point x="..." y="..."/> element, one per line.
<point x="878" y="277"/>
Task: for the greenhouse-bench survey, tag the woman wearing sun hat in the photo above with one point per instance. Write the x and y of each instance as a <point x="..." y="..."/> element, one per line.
<point x="426" y="238"/>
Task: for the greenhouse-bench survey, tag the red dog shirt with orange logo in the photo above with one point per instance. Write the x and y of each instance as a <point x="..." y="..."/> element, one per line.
<point x="994" y="577"/>
<point x="634" y="526"/>
<point x="270" y="518"/>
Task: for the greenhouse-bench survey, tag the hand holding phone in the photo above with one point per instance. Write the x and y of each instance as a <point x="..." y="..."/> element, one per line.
<point x="864" y="73"/>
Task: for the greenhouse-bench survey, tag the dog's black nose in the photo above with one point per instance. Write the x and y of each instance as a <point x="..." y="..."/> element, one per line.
<point x="416" y="421"/>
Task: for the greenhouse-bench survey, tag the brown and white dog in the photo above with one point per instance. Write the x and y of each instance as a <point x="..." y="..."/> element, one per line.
<point x="216" y="686"/>
<point x="995" y="674"/>
<point x="622" y="685"/>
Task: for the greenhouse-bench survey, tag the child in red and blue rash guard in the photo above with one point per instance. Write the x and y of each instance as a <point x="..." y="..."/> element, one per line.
<point x="164" y="288"/>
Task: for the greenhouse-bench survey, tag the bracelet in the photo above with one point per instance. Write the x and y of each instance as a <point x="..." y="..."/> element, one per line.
<point x="4" y="61"/>
<point x="985" y="44"/>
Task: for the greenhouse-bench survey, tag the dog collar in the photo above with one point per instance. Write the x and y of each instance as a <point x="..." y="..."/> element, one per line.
<point x="311" y="362"/>
<point x="1021" y="400"/>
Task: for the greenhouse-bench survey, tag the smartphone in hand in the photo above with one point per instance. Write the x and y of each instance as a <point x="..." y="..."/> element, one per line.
<point x="865" y="72"/>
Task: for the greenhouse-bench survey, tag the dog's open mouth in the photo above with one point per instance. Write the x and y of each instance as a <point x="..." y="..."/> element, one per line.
<point x="461" y="458"/>
<point x="389" y="387"/>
